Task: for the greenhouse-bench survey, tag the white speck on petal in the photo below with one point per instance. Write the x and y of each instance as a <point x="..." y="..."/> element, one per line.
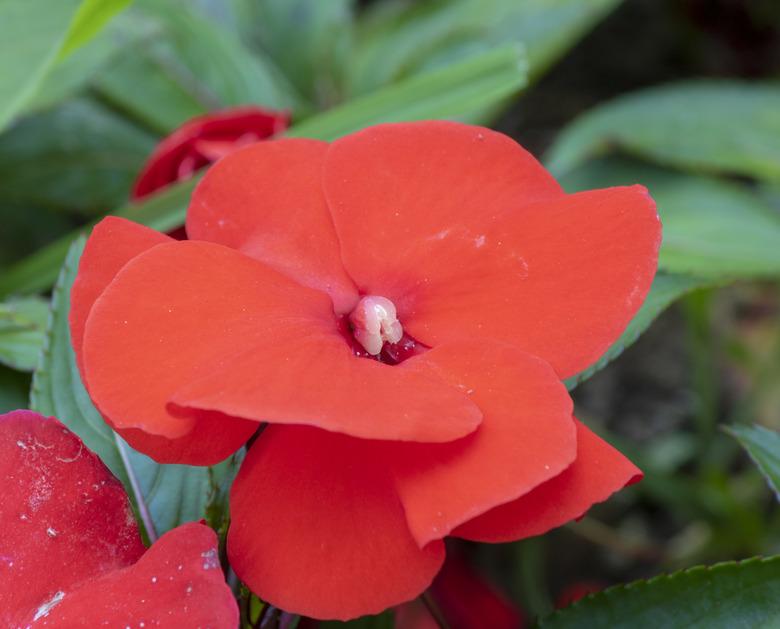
<point x="479" y="241"/>
<point x="44" y="609"/>
<point x="210" y="559"/>
<point x="51" y="532"/>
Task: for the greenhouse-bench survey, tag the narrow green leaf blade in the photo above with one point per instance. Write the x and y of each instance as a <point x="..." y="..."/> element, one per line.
<point x="713" y="126"/>
<point x="734" y="595"/>
<point x="89" y="19"/>
<point x="457" y="90"/>
<point x="665" y="290"/>
<point x="170" y="494"/>
<point x="763" y="446"/>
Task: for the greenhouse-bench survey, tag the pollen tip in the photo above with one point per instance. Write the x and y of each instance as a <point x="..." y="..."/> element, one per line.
<point x="374" y="322"/>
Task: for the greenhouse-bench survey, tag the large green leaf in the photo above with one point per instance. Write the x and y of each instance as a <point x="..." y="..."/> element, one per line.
<point x="168" y="494"/>
<point x="73" y="73"/>
<point x="716" y="126"/>
<point x="744" y="595"/>
<point x="457" y="90"/>
<point x="763" y="446"/>
<point x="665" y="290"/>
<point x="163" y="212"/>
<point x="34" y="34"/>
<point x="399" y="39"/>
<point x="80" y="157"/>
<point x="31" y="35"/>
<point x="712" y="228"/>
<point x="22" y="327"/>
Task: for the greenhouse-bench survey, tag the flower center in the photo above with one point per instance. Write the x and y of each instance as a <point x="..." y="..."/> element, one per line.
<point x="373" y="330"/>
<point x="374" y="323"/>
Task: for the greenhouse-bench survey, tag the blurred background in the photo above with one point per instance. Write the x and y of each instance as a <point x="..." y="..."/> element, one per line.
<point x="682" y="96"/>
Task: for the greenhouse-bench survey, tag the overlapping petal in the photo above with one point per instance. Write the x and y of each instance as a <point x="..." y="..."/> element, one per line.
<point x="598" y="471"/>
<point x="267" y="201"/>
<point x="317" y="527"/>
<point x="71" y="554"/>
<point x="468" y="235"/>
<point x="177" y="583"/>
<point x="112" y="244"/>
<point x="219" y="331"/>
<point x="64" y="517"/>
<point x="527" y="436"/>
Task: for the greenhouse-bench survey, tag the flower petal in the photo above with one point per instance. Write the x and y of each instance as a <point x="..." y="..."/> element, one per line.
<point x="527" y="436"/>
<point x="267" y="201"/>
<point x="468" y="235"/>
<point x="315" y="380"/>
<point x="64" y="517"/>
<point x="112" y="244"/>
<point x="218" y="331"/>
<point x="177" y="583"/>
<point x="178" y="155"/>
<point x="596" y="474"/>
<point x="317" y="528"/>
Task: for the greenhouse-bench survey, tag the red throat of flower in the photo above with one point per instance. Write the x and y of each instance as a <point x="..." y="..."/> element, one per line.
<point x="374" y="331"/>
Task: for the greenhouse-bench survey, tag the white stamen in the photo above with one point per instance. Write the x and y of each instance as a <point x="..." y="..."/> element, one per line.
<point x="375" y="322"/>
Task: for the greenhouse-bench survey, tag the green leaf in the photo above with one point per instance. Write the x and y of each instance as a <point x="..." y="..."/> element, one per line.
<point x="715" y="126"/>
<point x="168" y="494"/>
<point x="22" y="326"/>
<point x="90" y="18"/>
<point x="763" y="446"/>
<point x="80" y="157"/>
<point x="454" y="91"/>
<point x="31" y="35"/>
<point x="73" y="73"/>
<point x="163" y="212"/>
<point x="664" y="291"/>
<point x="725" y="596"/>
<point x="711" y="228"/>
<point x="34" y="34"/>
<point x="399" y="39"/>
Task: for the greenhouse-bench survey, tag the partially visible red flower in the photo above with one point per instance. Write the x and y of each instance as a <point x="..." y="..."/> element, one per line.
<point x="204" y="140"/>
<point x="465" y="599"/>
<point x="70" y="551"/>
<point x="400" y="306"/>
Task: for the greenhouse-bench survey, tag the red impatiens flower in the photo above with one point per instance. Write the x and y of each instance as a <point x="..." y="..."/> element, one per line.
<point x="304" y="260"/>
<point x="204" y="140"/>
<point x="71" y="554"/>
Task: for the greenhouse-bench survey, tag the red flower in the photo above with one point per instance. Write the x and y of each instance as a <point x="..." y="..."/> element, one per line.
<point x="70" y="552"/>
<point x="300" y="252"/>
<point x="204" y="140"/>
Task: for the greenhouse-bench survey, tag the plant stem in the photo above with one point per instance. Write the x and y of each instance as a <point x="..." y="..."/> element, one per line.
<point x="143" y="509"/>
